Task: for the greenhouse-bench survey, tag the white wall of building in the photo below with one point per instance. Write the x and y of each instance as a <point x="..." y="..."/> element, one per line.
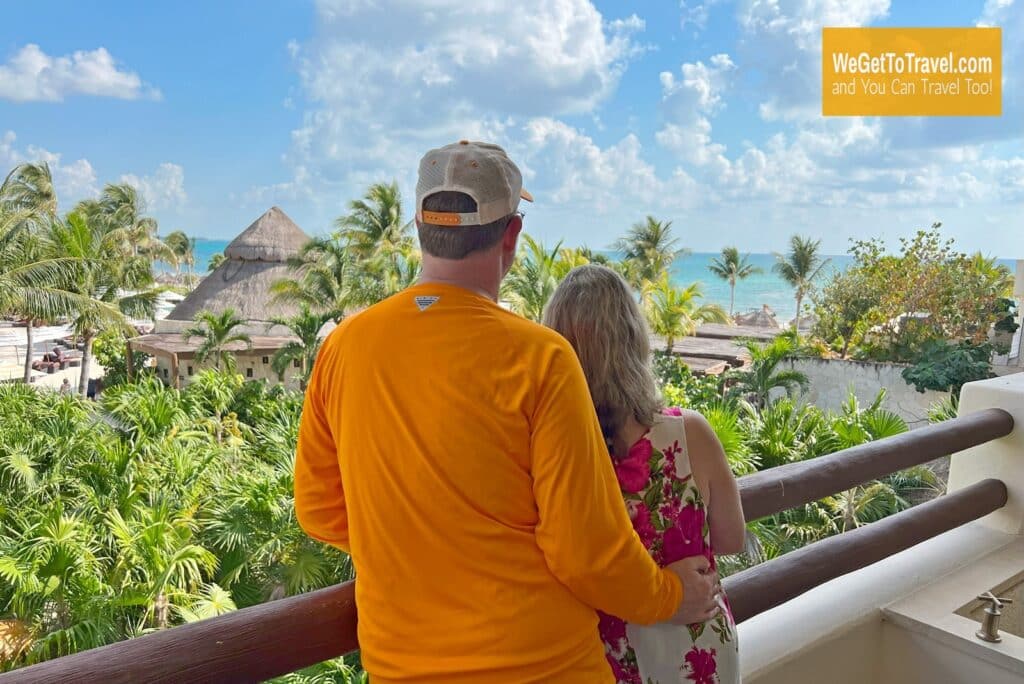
<point x="831" y="380"/>
<point x="249" y="366"/>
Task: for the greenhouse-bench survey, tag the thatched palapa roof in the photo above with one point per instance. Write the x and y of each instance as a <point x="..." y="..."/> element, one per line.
<point x="765" y="318"/>
<point x="255" y="261"/>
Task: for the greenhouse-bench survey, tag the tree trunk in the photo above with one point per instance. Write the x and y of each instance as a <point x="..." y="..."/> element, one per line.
<point x="28" y="350"/>
<point x="846" y="347"/>
<point x="732" y="297"/>
<point x="796" y="321"/>
<point x="669" y="343"/>
<point x="83" y="378"/>
<point x="161" y="611"/>
<point x="849" y="517"/>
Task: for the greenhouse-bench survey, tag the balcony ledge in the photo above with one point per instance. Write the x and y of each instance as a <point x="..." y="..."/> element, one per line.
<point x="837" y="627"/>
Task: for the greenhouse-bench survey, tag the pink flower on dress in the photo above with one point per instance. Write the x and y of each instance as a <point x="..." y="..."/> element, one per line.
<point x="627" y="674"/>
<point x="643" y="525"/>
<point x="634" y="471"/>
<point x="672" y="411"/>
<point x="617" y="671"/>
<point x="703" y="668"/>
<point x="612" y="630"/>
<point x="670" y="508"/>
<point x="686" y="537"/>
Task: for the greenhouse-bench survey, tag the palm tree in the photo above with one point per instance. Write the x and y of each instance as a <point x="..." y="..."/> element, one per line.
<point x="732" y="267"/>
<point x="800" y="267"/>
<point x="30" y="186"/>
<point x="533" y="278"/>
<point x="112" y="284"/>
<point x="674" y="312"/>
<point x="393" y="268"/>
<point x="305" y="326"/>
<point x="217" y="332"/>
<point x="215" y="261"/>
<point x="375" y="222"/>
<point x="649" y="245"/>
<point x="122" y="207"/>
<point x="328" y="278"/>
<point x="183" y="248"/>
<point x="27" y="282"/>
<point x="28" y="201"/>
<point x="762" y="374"/>
<point x="593" y="257"/>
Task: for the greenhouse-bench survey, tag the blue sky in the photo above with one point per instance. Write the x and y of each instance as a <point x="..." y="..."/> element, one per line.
<point x="704" y="113"/>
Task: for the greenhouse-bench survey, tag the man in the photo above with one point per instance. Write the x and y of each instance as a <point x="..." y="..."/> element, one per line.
<point x="452" y="449"/>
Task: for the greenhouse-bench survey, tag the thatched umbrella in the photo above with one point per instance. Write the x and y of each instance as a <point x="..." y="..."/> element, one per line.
<point x="763" y="318"/>
<point x="254" y="261"/>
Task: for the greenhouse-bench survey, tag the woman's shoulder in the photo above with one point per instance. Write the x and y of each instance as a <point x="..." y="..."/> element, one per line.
<point x="683" y="425"/>
<point x="679" y="419"/>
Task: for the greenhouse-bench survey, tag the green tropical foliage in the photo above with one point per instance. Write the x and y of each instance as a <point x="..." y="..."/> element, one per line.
<point x="215" y="261"/>
<point x="648" y="249"/>
<point x="534" y="277"/>
<point x="305" y="327"/>
<point x="328" y="278"/>
<point x="762" y="374"/>
<point x="375" y="223"/>
<point x="217" y="332"/>
<point x="946" y="366"/>
<point x="674" y="312"/>
<point x="926" y="292"/>
<point x="128" y="516"/>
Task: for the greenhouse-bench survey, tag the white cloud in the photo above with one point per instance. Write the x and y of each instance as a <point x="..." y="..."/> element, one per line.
<point x="164" y="189"/>
<point x="995" y="12"/>
<point x="585" y="173"/>
<point x="72" y="181"/>
<point x="695" y="12"/>
<point x="782" y="42"/>
<point x="442" y="71"/>
<point x="31" y="75"/>
<point x="519" y="76"/>
<point x="687" y="103"/>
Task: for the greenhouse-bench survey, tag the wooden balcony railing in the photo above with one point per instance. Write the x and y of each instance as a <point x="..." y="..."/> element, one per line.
<point x="282" y="636"/>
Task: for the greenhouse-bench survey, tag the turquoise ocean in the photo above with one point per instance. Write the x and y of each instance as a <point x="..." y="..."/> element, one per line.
<point x="761" y="288"/>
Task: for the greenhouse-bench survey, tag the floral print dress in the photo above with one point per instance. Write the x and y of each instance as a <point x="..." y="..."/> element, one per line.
<point x="670" y="517"/>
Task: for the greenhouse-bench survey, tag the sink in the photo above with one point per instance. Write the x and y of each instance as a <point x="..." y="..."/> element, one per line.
<point x="929" y="636"/>
<point x="1012" y="619"/>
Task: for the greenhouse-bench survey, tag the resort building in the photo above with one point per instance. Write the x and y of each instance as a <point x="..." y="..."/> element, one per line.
<point x="253" y="262"/>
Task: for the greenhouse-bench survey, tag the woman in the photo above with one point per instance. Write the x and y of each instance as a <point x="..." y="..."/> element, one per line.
<point x="679" y="490"/>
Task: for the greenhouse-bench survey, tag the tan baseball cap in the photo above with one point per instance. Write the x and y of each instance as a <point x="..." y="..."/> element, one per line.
<point x="481" y="170"/>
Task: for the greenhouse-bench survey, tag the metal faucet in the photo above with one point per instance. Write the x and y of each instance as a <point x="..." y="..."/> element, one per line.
<point x="990" y="623"/>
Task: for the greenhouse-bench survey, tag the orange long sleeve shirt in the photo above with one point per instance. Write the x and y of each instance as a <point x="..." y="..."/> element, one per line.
<point x="452" y="449"/>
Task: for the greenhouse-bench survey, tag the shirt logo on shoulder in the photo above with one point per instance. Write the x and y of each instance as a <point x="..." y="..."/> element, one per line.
<point x="424" y="302"/>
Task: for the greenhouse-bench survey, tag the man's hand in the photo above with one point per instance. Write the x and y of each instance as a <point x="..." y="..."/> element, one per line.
<point x="700" y="586"/>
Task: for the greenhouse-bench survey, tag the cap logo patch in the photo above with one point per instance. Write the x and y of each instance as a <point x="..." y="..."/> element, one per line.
<point x="439" y="218"/>
<point x="425" y="302"/>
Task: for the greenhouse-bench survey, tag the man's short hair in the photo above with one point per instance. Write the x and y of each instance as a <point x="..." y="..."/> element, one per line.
<point x="447" y="242"/>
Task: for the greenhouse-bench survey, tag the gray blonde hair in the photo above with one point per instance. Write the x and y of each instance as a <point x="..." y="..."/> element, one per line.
<point x="596" y="311"/>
